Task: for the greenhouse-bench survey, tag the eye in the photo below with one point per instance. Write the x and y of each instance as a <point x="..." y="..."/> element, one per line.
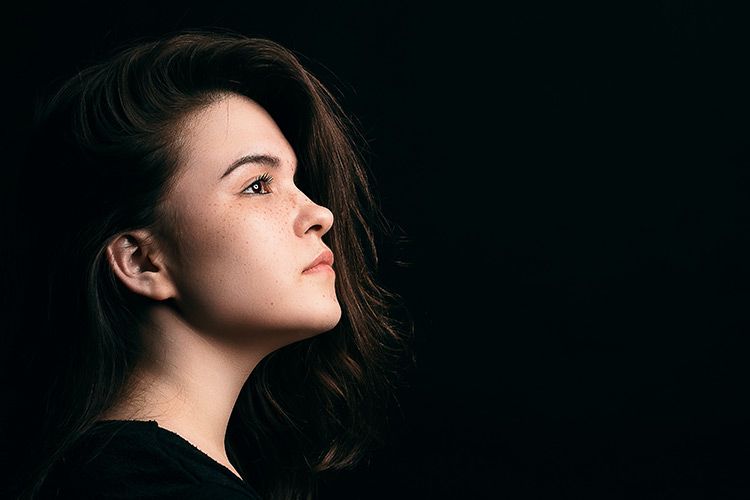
<point x="260" y="183"/>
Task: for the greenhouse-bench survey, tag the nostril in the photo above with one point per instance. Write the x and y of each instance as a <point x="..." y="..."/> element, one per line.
<point x="315" y="227"/>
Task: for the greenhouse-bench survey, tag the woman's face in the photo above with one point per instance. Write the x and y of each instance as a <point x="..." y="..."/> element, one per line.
<point x="244" y="236"/>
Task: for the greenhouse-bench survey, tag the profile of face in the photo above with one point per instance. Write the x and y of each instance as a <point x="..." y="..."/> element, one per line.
<point x="235" y="261"/>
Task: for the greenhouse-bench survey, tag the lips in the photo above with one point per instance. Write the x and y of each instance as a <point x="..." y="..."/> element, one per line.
<point x="324" y="259"/>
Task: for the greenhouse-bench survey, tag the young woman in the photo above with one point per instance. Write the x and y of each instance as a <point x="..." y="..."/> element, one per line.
<point x="195" y="280"/>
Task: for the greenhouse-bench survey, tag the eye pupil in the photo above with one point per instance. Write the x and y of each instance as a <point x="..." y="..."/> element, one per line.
<point x="259" y="185"/>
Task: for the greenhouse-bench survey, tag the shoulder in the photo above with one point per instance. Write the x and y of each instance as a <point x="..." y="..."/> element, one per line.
<point x="141" y="461"/>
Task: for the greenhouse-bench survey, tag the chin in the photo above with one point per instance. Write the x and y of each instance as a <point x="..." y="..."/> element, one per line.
<point x="311" y="327"/>
<point x="326" y="319"/>
<point x="306" y="323"/>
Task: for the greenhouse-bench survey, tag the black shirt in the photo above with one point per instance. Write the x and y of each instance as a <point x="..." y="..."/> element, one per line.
<point x="129" y="459"/>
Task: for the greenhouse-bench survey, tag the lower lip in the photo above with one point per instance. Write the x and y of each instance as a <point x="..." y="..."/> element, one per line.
<point x="320" y="268"/>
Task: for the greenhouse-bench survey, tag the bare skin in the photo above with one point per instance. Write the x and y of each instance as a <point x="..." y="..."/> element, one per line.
<point x="233" y="266"/>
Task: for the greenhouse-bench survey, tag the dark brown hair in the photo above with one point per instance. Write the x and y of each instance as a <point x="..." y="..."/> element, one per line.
<point x="103" y="152"/>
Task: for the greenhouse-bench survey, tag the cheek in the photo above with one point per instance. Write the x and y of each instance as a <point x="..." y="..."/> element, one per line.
<point x="240" y="250"/>
<point x="237" y="270"/>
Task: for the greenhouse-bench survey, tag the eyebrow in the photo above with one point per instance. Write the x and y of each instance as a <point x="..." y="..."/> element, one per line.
<point x="258" y="159"/>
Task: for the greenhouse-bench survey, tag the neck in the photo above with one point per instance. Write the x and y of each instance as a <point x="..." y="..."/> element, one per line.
<point x="189" y="384"/>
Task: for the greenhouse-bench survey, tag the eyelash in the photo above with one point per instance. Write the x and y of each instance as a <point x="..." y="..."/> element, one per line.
<point x="265" y="178"/>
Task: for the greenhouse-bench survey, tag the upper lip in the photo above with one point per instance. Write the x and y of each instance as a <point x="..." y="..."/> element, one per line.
<point x="325" y="257"/>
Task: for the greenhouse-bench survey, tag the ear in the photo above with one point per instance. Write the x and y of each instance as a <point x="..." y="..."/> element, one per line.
<point x="138" y="263"/>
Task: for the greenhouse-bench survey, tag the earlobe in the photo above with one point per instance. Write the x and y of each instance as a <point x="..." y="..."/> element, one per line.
<point x="136" y="262"/>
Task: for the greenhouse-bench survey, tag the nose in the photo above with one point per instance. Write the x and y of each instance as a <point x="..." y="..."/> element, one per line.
<point x="313" y="218"/>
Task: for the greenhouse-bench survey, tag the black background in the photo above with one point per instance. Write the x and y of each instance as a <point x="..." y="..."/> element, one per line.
<point x="571" y="183"/>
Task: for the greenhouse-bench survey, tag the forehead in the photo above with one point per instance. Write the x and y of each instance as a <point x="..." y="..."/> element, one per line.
<point x="218" y="134"/>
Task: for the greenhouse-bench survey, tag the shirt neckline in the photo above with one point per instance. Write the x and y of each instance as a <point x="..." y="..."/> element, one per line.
<point x="154" y="424"/>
